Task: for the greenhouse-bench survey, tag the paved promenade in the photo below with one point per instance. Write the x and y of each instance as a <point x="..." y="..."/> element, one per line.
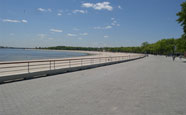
<point x="150" y="86"/>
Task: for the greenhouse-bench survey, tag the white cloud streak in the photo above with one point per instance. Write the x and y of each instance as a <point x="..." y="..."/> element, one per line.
<point x="84" y="34"/>
<point x="41" y="9"/>
<point x="11" y="21"/>
<point x="14" y="21"/>
<point x="114" y="22"/>
<point x="103" y="28"/>
<point x="59" y="14"/>
<point x="98" y="6"/>
<point x="108" y="27"/>
<point x="56" y="30"/>
<point x="119" y="7"/>
<point x="24" y="21"/>
<point x="112" y="18"/>
<point x="79" y="11"/>
<point x="71" y="35"/>
<point x="44" y="10"/>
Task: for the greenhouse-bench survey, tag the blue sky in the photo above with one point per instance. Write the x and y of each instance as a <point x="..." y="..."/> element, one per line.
<point x="93" y="23"/>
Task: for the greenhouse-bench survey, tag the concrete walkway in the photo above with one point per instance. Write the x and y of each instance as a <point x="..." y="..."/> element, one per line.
<point x="151" y="86"/>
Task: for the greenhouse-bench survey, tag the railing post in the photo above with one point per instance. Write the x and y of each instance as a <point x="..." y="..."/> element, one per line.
<point x="50" y="64"/>
<point x="81" y="62"/>
<point x="28" y="67"/>
<point x="69" y="63"/>
<point x="54" y="64"/>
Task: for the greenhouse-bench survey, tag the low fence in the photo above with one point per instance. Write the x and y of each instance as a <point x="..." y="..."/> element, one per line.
<point x="27" y="69"/>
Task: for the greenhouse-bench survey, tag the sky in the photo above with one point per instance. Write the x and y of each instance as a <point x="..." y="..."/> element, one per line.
<point x="87" y="23"/>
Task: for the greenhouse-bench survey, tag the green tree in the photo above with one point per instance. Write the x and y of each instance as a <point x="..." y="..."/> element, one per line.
<point x="182" y="16"/>
<point x="144" y="44"/>
<point x="181" y="43"/>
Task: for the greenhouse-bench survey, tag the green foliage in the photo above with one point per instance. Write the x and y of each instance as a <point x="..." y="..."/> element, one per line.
<point x="144" y="44"/>
<point x="181" y="44"/>
<point x="182" y="16"/>
<point x="72" y="48"/>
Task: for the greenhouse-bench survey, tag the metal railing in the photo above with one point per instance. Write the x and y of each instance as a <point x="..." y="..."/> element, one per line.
<point x="22" y="67"/>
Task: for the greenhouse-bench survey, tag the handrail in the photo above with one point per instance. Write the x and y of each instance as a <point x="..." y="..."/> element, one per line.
<point x="15" y="62"/>
<point x="9" y="68"/>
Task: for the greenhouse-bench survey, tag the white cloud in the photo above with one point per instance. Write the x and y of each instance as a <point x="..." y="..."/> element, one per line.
<point x="98" y="6"/>
<point x="11" y="21"/>
<point x="114" y="23"/>
<point x="44" y="10"/>
<point x="84" y="34"/>
<point x="119" y="7"/>
<point x="41" y="9"/>
<point x="59" y="14"/>
<point x="88" y="5"/>
<point x="108" y="27"/>
<point x="56" y="30"/>
<point x="14" y="21"/>
<point x="104" y="28"/>
<point x="71" y="35"/>
<point x="79" y="11"/>
<point x="105" y="36"/>
<point x="98" y="27"/>
<point x="112" y="18"/>
<point x="24" y="21"/>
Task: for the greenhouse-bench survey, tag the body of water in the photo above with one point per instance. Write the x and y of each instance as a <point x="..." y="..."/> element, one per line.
<point x="25" y="54"/>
